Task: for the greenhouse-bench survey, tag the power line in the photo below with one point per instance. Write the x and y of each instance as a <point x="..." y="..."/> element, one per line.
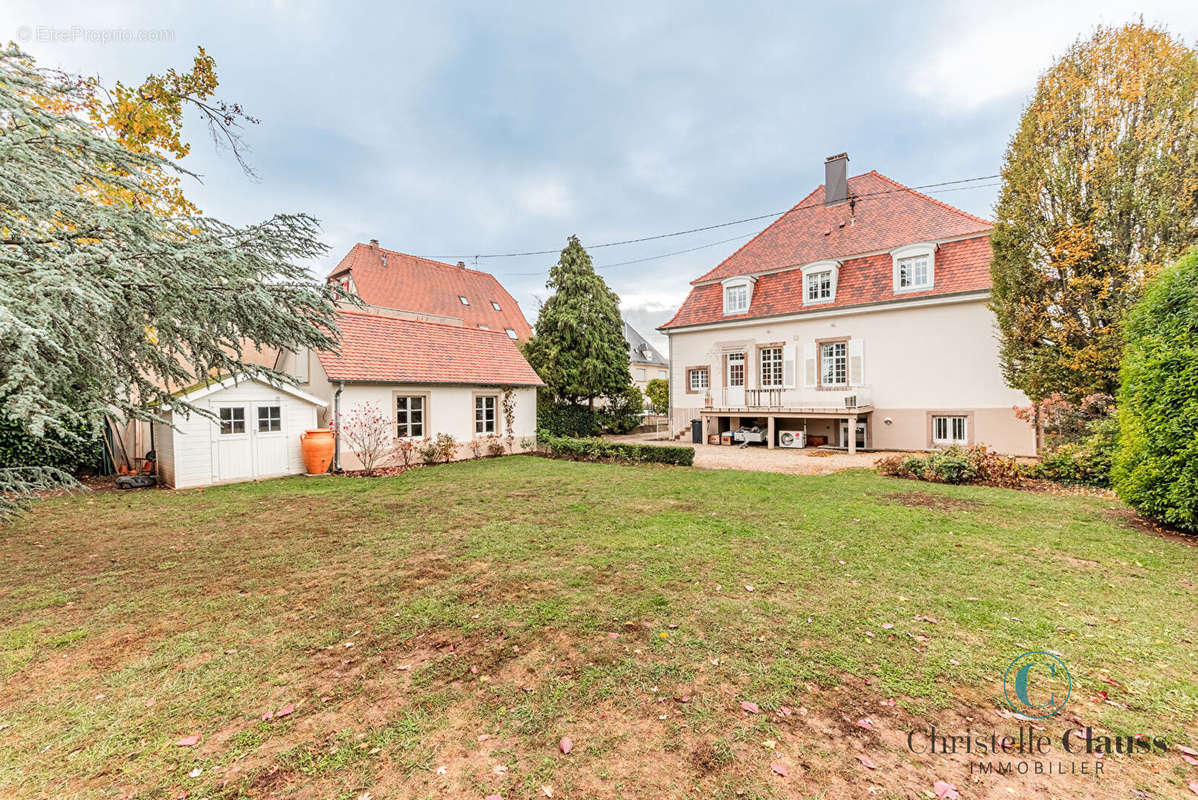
<point x="725" y="241"/>
<point x="757" y="218"/>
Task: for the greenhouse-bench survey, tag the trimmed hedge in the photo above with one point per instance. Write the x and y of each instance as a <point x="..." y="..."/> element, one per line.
<point x="1156" y="463"/>
<point x="593" y="449"/>
<point x="83" y="450"/>
<point x="565" y="419"/>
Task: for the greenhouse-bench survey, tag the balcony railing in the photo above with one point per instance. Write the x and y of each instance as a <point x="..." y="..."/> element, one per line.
<point x="749" y="398"/>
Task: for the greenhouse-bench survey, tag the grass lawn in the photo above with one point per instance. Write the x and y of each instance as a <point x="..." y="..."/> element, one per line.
<point x="439" y="632"/>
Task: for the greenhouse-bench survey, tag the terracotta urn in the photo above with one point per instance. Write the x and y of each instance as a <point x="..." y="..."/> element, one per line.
<point x="317" y="446"/>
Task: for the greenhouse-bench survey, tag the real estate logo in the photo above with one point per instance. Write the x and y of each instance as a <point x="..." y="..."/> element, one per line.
<point x="1037" y="684"/>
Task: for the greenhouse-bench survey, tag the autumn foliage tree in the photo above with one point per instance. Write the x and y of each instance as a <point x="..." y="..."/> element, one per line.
<point x="1100" y="189"/>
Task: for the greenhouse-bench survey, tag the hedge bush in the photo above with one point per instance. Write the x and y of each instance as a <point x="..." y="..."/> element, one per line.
<point x="975" y="464"/>
<point x="82" y="451"/>
<point x="1086" y="462"/>
<point x="566" y="419"/>
<point x="594" y="449"/>
<point x="1156" y="463"/>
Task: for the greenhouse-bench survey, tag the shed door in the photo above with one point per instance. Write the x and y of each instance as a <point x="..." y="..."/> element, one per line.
<point x="269" y="439"/>
<point x="232" y="446"/>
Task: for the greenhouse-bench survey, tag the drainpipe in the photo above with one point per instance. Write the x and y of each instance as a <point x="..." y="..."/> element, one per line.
<point x="337" y="426"/>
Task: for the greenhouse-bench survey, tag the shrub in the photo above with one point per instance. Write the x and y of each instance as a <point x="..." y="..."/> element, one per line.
<point x="495" y="446"/>
<point x="566" y="419"/>
<point x="952" y="465"/>
<point x="80" y="449"/>
<point x="623" y="411"/>
<point x="1087" y="462"/>
<point x="405" y="449"/>
<point x="446" y="447"/>
<point x="975" y="464"/>
<point x="476" y="447"/>
<point x="595" y="449"/>
<point x="1156" y="463"/>
<point x="429" y="452"/>
<point x="366" y="430"/>
<point x="1066" y="422"/>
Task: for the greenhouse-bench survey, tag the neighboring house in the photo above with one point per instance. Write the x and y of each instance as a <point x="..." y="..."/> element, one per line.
<point x="428" y="377"/>
<point x="255" y="434"/>
<point x="858" y="317"/>
<point x="644" y="362"/>
<point x="430" y="289"/>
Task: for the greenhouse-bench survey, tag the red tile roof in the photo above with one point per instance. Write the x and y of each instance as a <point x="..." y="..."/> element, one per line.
<point x="412" y="283"/>
<point x="383" y="349"/>
<point x="961" y="266"/>
<point x="886" y="215"/>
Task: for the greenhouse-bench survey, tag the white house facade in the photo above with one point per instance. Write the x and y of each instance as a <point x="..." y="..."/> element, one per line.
<point x="858" y="319"/>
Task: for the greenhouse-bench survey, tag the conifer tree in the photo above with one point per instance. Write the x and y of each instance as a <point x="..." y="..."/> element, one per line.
<point x="579" y="349"/>
<point x="108" y="305"/>
<point x="1100" y="189"/>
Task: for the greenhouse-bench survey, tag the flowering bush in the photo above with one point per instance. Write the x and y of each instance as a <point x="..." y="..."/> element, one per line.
<point x="366" y="431"/>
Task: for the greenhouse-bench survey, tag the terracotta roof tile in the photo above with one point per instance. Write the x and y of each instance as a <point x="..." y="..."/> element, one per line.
<point x="412" y="283"/>
<point x="388" y="349"/>
<point x="961" y="266"/>
<point x="886" y="215"/>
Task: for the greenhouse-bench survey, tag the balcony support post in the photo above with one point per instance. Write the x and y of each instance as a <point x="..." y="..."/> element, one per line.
<point x="769" y="433"/>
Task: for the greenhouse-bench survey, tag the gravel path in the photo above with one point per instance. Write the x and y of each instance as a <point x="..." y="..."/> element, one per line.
<point x="808" y="461"/>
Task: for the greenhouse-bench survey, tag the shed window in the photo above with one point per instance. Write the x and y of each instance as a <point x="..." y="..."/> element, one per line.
<point x="270" y="419"/>
<point x="232" y="420"/>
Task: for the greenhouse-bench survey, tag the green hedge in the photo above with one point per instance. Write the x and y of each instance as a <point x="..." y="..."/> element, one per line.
<point x="592" y="449"/>
<point x="1156" y="463"/>
<point x="565" y="419"/>
<point x="1086" y="462"/>
<point x="83" y="450"/>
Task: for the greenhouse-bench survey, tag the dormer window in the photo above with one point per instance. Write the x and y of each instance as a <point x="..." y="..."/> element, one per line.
<point x="914" y="267"/>
<point x="495" y="306"/>
<point x="738" y="294"/>
<point x="462" y="297"/>
<point x="819" y="282"/>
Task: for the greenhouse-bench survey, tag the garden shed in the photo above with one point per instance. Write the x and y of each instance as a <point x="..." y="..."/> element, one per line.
<point x="256" y="433"/>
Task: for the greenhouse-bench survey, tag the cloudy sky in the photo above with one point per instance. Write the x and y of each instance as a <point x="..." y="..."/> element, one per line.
<point x="452" y="130"/>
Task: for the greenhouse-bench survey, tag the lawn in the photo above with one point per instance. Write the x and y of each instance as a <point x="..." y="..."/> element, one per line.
<point x="436" y="634"/>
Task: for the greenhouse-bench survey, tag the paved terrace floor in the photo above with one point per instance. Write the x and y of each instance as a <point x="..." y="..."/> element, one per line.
<point x="807" y="461"/>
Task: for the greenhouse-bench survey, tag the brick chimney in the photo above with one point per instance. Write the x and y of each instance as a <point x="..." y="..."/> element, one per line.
<point x="836" y="179"/>
<point x="461" y="265"/>
<point x="374" y="244"/>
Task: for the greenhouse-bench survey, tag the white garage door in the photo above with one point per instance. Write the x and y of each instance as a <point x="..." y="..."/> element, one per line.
<point x="250" y="441"/>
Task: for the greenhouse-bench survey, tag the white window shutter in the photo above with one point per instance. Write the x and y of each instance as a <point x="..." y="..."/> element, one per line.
<point x="809" y="365"/>
<point x="788" y="366"/>
<point x="856" y="362"/>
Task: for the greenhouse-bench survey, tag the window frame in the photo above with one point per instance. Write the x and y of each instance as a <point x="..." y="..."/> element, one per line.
<point x="269" y="418"/>
<point x="495" y="419"/>
<point x="764" y="363"/>
<point x="820" y="344"/>
<point x="906" y="253"/>
<point x="424" y="405"/>
<point x="690" y="384"/>
<point x="813" y="271"/>
<point x="463" y="299"/>
<point x="511" y="333"/>
<point x="736" y="282"/>
<point x="495" y="306"/>
<point x="935" y="442"/>
<point x="743" y="363"/>
<point x="220" y="413"/>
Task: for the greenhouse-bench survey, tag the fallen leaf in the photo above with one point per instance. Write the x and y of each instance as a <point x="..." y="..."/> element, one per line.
<point x="1194" y="787"/>
<point x="285" y="711"/>
<point x="865" y="723"/>
<point x="945" y="790"/>
<point x="404" y="666"/>
<point x="865" y="760"/>
<point x="613" y="636"/>
<point x="932" y="620"/>
<point x="752" y="708"/>
<point x="1111" y="681"/>
<point x="748" y="588"/>
<point x="195" y="773"/>
<point x="473" y="670"/>
<point x="780" y="768"/>
<point x="887" y="625"/>
<point x="889" y="702"/>
<point x="547" y="791"/>
<point x="189" y="741"/>
<point x="1188" y="751"/>
<point x="686" y="698"/>
<point x="493" y="797"/>
<point x="499" y="769"/>
<point x="565" y="745"/>
<point x="442" y="770"/>
<point x="269" y="715"/>
<point x="783" y="711"/>
<point x="770" y="743"/>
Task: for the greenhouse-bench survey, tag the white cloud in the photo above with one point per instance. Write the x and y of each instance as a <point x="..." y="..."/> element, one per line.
<point x="996" y="52"/>
<point x="545" y="197"/>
